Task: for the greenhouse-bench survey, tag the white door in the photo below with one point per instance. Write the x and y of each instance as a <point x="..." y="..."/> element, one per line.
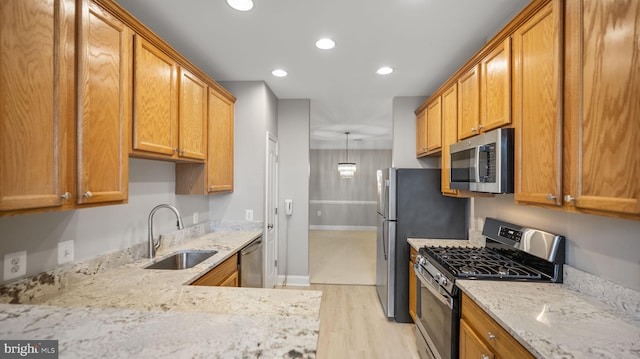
<point x="271" y="213"/>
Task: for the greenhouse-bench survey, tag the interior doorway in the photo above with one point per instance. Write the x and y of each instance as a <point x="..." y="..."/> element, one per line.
<point x="271" y="213"/>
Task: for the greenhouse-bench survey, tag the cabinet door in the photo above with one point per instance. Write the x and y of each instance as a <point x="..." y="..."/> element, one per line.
<point x="469" y="103"/>
<point x="449" y="134"/>
<point x="421" y="133"/>
<point x="412" y="284"/>
<point x="104" y="66"/>
<point x="193" y="116"/>
<point x="602" y="106"/>
<point x="155" y="115"/>
<point x="434" y="126"/>
<point x="36" y="102"/>
<point x="537" y="108"/>
<point x="471" y="346"/>
<point x="496" y="87"/>
<point x="231" y="281"/>
<point x="220" y="154"/>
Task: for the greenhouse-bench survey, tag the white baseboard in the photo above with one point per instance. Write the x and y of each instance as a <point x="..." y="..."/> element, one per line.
<point x="295" y="280"/>
<point x="342" y="228"/>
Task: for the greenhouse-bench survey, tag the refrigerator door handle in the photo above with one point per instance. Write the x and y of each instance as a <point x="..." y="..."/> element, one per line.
<point x="385" y="243"/>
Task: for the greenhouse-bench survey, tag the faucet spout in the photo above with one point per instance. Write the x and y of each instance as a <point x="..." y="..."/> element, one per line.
<point x="153" y="245"/>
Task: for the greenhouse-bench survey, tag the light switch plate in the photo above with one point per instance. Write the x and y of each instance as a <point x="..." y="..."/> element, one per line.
<point x="195" y="217"/>
<point x="65" y="252"/>
<point x="15" y="265"/>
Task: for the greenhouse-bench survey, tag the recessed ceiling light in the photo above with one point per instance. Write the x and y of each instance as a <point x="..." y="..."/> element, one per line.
<point x="279" y="73"/>
<point x="385" y="70"/>
<point x="325" y="44"/>
<point x="241" y="5"/>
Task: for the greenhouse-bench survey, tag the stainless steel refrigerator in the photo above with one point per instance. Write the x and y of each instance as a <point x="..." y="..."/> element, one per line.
<point x="410" y="205"/>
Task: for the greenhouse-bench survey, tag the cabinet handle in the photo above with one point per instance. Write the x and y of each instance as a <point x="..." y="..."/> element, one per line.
<point x="491" y="336"/>
<point x="66" y="196"/>
<point x="87" y="194"/>
<point x="569" y="198"/>
<point x="551" y="197"/>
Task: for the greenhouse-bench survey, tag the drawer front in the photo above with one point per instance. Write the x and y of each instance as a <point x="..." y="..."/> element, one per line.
<point x="496" y="337"/>
<point x="220" y="273"/>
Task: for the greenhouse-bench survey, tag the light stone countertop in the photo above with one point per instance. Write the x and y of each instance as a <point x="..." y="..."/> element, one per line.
<point x="155" y="313"/>
<point x="585" y="317"/>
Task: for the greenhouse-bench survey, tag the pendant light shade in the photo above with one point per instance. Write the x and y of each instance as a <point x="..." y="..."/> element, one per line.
<point x="347" y="169"/>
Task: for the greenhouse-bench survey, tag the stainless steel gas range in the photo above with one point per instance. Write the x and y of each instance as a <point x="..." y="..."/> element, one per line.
<point x="512" y="252"/>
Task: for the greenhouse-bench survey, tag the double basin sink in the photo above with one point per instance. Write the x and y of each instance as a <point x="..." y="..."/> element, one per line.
<point x="182" y="260"/>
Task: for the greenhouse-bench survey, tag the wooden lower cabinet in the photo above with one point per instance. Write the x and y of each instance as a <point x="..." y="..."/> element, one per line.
<point x="412" y="284"/>
<point x="480" y="335"/>
<point x="223" y="275"/>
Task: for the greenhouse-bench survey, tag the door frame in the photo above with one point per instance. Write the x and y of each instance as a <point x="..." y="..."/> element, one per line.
<point x="273" y="231"/>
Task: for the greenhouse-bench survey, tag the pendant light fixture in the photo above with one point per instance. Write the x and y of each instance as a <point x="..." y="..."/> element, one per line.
<point x="347" y="169"/>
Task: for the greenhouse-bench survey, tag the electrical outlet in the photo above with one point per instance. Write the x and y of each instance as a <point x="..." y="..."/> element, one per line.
<point x="15" y="265"/>
<point x="65" y="252"/>
<point x="248" y="215"/>
<point x="319" y="213"/>
<point x="195" y="217"/>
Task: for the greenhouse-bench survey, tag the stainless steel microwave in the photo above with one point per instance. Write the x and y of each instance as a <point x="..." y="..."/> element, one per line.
<point x="483" y="163"/>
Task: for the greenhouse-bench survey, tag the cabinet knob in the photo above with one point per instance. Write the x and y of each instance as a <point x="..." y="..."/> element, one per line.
<point x="491" y="336"/>
<point x="480" y="127"/>
<point x="87" y="194"/>
<point x="176" y="149"/>
<point x="484" y="356"/>
<point x="473" y="129"/>
<point x="551" y="197"/>
<point x="569" y="198"/>
<point x="183" y="152"/>
<point x="66" y="196"/>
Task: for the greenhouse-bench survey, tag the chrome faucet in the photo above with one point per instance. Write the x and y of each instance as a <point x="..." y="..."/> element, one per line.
<point x="153" y="246"/>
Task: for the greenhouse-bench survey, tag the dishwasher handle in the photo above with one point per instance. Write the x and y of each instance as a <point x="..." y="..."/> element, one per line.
<point x="252" y="247"/>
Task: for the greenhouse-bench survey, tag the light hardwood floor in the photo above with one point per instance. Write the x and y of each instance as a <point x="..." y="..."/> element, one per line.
<point x="352" y="326"/>
<point x="342" y="257"/>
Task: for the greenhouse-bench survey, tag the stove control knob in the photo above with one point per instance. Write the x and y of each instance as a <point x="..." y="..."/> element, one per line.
<point x="437" y="277"/>
<point x="443" y="280"/>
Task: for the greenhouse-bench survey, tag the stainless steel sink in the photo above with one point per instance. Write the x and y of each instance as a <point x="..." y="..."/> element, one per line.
<point x="182" y="260"/>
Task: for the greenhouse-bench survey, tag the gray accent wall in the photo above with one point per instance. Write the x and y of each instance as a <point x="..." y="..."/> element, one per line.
<point x="293" y="231"/>
<point x="344" y="202"/>
<point x="104" y="229"/>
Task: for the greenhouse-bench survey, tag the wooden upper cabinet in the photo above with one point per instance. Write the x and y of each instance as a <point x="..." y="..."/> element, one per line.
<point x="421" y="133"/>
<point x="36" y="103"/>
<point x="469" y="103"/>
<point x="105" y="59"/>
<point x="221" y="133"/>
<point x="495" y="89"/>
<point x="602" y="109"/>
<point x="449" y="134"/>
<point x="193" y="116"/>
<point x="155" y="105"/>
<point x="537" y="104"/>
<point x="434" y="126"/>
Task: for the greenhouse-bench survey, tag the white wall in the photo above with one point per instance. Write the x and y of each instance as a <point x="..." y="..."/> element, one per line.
<point x="293" y="231"/>
<point x="105" y="229"/>
<point x="404" y="135"/>
<point x="603" y="246"/>
<point x="256" y="112"/>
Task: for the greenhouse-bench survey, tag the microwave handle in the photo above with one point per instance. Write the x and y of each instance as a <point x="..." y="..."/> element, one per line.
<point x="477" y="164"/>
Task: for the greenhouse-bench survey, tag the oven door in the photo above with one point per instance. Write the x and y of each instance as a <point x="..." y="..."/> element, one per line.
<point x="437" y="320"/>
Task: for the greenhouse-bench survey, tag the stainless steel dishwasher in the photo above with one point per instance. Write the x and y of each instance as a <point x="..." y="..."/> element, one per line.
<point x="251" y="264"/>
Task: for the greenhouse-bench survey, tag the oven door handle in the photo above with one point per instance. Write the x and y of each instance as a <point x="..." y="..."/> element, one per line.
<point x="443" y="298"/>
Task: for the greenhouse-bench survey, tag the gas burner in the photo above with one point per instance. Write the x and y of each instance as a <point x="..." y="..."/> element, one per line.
<point x="468" y="270"/>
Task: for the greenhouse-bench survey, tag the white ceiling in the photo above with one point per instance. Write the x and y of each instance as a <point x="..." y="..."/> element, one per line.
<point x="425" y="41"/>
